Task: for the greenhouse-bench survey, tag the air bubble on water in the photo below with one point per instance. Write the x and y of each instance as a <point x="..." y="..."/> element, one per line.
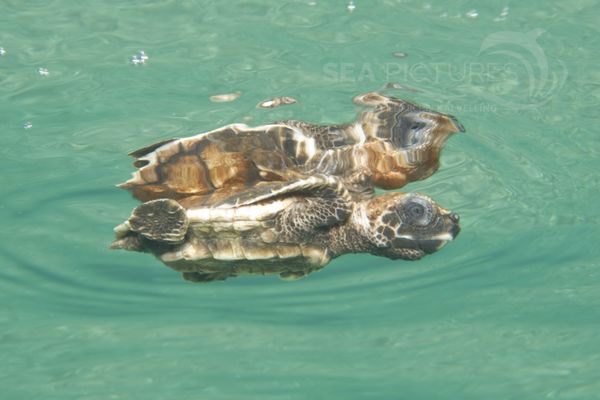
<point x="393" y="85"/>
<point x="27" y="125"/>
<point x="223" y="98"/>
<point x="312" y="3"/>
<point x="503" y="14"/>
<point x="351" y="6"/>
<point x="139" y="58"/>
<point x="2" y="51"/>
<point x="43" y="71"/>
<point x="472" y="14"/>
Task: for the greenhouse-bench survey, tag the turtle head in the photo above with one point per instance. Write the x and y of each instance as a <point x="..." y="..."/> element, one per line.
<point x="409" y="225"/>
<point x="405" y="140"/>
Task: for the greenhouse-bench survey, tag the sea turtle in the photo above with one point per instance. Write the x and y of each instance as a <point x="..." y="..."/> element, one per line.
<point x="392" y="143"/>
<point x="290" y="229"/>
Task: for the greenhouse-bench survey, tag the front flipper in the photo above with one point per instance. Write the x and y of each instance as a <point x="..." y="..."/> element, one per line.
<point x="269" y="190"/>
<point x="309" y="215"/>
<point x="163" y="220"/>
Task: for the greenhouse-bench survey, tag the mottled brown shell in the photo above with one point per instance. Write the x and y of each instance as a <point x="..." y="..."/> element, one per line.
<point x="234" y="157"/>
<point x="392" y="143"/>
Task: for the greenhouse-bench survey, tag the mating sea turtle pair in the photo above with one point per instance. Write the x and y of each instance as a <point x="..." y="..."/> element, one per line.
<point x="286" y="198"/>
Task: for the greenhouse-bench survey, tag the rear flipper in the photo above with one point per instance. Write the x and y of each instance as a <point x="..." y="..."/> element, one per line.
<point x="130" y="242"/>
<point x="162" y="220"/>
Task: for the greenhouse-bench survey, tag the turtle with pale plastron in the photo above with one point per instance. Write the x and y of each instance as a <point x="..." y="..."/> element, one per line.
<point x="392" y="143"/>
<point x="289" y="229"/>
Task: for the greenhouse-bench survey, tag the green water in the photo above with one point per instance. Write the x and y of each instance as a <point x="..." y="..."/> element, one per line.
<point x="510" y="310"/>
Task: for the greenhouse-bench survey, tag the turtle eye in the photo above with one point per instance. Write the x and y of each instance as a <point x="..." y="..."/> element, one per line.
<point x="418" y="212"/>
<point x="417" y="126"/>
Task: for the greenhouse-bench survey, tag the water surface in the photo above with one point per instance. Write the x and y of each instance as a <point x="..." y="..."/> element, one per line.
<point x="510" y="310"/>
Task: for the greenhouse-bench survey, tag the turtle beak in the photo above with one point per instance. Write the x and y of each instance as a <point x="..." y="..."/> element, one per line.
<point x="439" y="241"/>
<point x="431" y="246"/>
<point x="455" y="227"/>
<point x="454" y="231"/>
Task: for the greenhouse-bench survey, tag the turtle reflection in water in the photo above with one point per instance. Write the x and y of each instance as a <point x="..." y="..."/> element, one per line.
<point x="288" y="197"/>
